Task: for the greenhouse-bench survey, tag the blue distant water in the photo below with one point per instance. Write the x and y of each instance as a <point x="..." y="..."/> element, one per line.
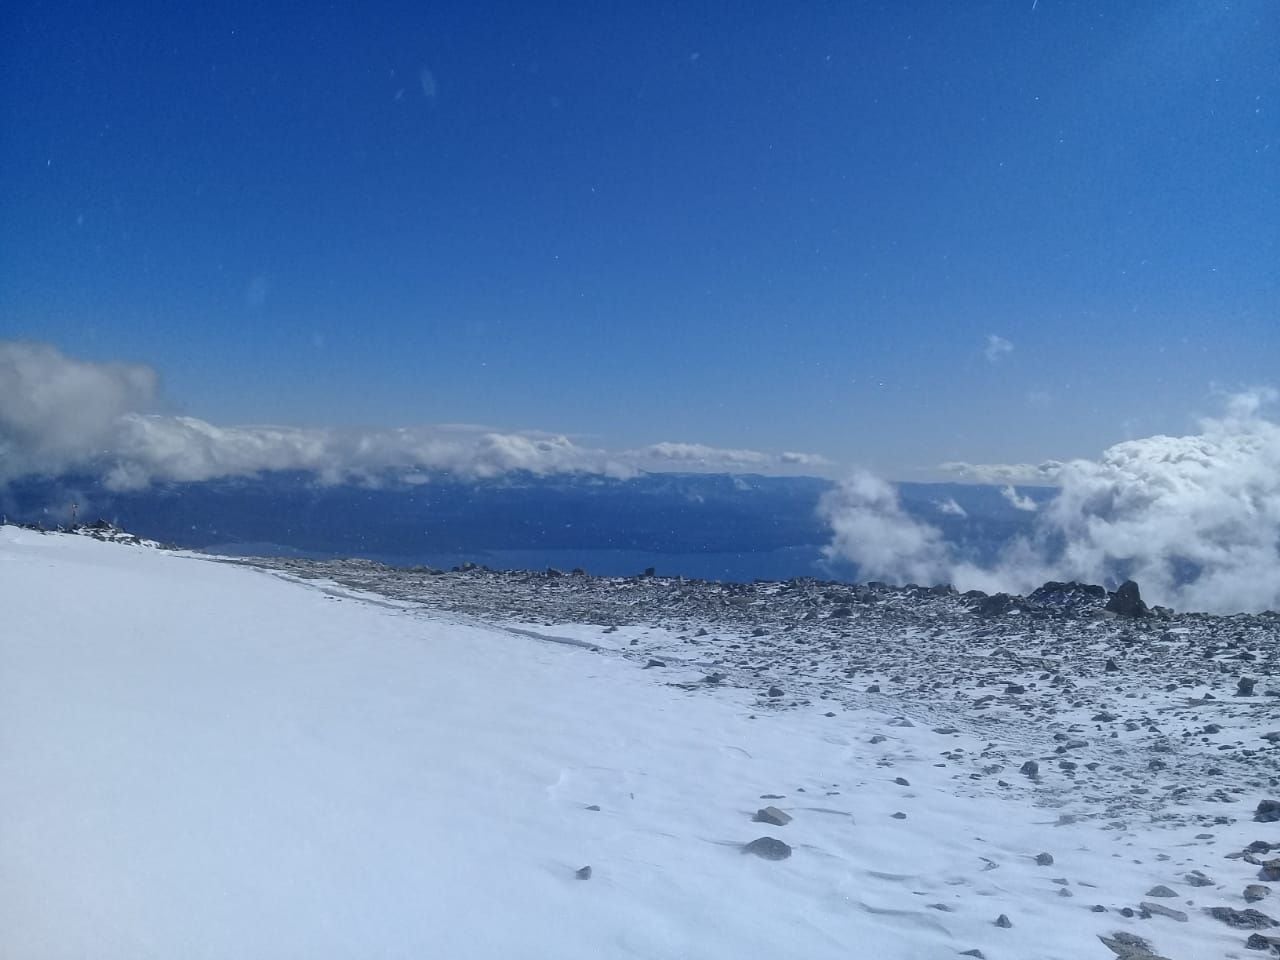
<point x="705" y="526"/>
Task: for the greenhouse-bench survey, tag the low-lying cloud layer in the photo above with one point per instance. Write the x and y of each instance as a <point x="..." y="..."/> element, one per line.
<point x="60" y="415"/>
<point x="1194" y="519"/>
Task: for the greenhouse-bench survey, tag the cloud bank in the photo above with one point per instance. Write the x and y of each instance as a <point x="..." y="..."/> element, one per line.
<point x="60" y="415"/>
<point x="1194" y="519"/>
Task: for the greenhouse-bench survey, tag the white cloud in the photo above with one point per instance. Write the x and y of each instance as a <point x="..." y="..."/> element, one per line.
<point x="60" y="415"/>
<point x="699" y="456"/>
<point x="950" y="507"/>
<point x="1021" y="474"/>
<point x="1194" y="519"/>
<point x="871" y="529"/>
<point x="56" y="412"/>
<point x="996" y="348"/>
<point x="1017" y="501"/>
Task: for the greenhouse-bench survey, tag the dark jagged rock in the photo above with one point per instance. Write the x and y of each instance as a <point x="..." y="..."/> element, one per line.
<point x="1247" y="919"/>
<point x="1127" y="601"/>
<point x="1268" y="811"/>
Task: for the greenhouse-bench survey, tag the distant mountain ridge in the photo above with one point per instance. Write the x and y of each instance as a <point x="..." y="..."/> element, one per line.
<point x="525" y="515"/>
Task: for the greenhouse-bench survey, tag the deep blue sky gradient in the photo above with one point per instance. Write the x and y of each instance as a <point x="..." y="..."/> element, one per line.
<point x="782" y="226"/>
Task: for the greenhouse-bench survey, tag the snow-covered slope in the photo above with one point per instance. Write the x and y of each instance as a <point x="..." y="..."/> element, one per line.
<point x="205" y="761"/>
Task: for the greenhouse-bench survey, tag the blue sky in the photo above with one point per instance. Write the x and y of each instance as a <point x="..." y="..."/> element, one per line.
<point x="781" y="227"/>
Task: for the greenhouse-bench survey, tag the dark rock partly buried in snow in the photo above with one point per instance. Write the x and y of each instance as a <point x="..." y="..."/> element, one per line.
<point x="1255" y="892"/>
<point x="1268" y="811"/>
<point x="1248" y="919"/>
<point x="1129" y="946"/>
<point x="1044" y="859"/>
<point x="768" y="848"/>
<point x="1127" y="601"/>
<point x="583" y="873"/>
<point x="1029" y="769"/>
<point x="1244" y="686"/>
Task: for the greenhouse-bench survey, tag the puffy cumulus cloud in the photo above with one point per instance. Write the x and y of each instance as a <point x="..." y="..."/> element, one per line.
<point x="872" y="529"/>
<point x="61" y="415"/>
<point x="1018" y="501"/>
<point x="1022" y="474"/>
<point x="56" y="412"/>
<point x="1194" y="519"/>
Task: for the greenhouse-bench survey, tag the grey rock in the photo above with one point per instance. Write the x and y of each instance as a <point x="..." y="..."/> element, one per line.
<point x="1197" y="879"/>
<point x="1268" y="811"/>
<point x="1129" y="946"/>
<point x="583" y="873"/>
<point x="1248" y="919"/>
<point x="655" y="663"/>
<point x="901" y="781"/>
<point x="1258" y="941"/>
<point x="1029" y="769"/>
<point x="772" y="815"/>
<point x="1044" y="859"/>
<point x="1004" y="921"/>
<point x="1127" y="601"/>
<point x="1255" y="892"/>
<point x="768" y="848"/>
<point x="1161" y="891"/>
<point x="1244" y="686"/>
<point x="1163" y="911"/>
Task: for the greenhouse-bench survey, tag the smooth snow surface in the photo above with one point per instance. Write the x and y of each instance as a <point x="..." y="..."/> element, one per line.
<point x="204" y="761"/>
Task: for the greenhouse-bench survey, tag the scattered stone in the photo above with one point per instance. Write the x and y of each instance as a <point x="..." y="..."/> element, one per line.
<point x="768" y="848"/>
<point x="1044" y="859"/>
<point x="772" y="815"/>
<point x="1163" y="911"/>
<point x="1014" y="689"/>
<point x="594" y="808"/>
<point x="1248" y="919"/>
<point x="1129" y="946"/>
<point x="1255" y="892"/>
<point x="899" y="815"/>
<point x="1244" y="687"/>
<point x="975" y="952"/>
<point x="901" y="781"/>
<point x="879" y="738"/>
<point x="1029" y="769"/>
<point x="1197" y="879"/>
<point x="1258" y="941"/>
<point x="775" y="692"/>
<point x="1112" y="666"/>
<point x="583" y="873"/>
<point x="1004" y="921"/>
<point x="654" y="663"/>
<point x="1161" y="891"/>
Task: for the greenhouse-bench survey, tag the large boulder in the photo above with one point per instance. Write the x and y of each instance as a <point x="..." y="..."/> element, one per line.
<point x="1127" y="601"/>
